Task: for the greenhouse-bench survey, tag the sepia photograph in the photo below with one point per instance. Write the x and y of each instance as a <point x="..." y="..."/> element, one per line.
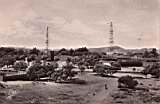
<point x="79" y="51"/>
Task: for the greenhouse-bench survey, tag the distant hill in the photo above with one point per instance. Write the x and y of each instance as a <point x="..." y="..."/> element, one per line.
<point x="107" y="49"/>
<point x="120" y="49"/>
<point x="142" y="50"/>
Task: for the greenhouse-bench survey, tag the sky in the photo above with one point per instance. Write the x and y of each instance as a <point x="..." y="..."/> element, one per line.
<point x="78" y="23"/>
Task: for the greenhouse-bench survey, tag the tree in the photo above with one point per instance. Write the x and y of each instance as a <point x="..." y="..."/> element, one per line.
<point x="34" y="51"/>
<point x="34" y="70"/>
<point x="146" y="54"/>
<point x="52" y="55"/>
<point x="20" y="65"/>
<point x="31" y="57"/>
<point x="151" y="54"/>
<point x="63" y="51"/>
<point x="8" y="60"/>
<point x="154" y="70"/>
<point x="154" y="52"/>
<point x="83" y="49"/>
<point x="71" y="52"/>
<point x="20" y="52"/>
<point x="20" y="57"/>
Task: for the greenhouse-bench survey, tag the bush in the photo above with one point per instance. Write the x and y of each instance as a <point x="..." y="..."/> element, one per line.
<point x="154" y="70"/>
<point x="127" y="81"/>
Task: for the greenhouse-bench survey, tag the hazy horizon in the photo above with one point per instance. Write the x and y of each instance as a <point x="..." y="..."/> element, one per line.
<point x="79" y="23"/>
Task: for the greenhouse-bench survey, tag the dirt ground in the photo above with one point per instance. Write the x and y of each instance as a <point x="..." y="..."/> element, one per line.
<point x="92" y="92"/>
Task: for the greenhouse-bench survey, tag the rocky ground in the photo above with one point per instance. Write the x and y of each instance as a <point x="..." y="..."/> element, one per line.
<point x="91" y="92"/>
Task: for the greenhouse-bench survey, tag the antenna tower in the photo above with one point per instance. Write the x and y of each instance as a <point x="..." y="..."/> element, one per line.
<point x="47" y="41"/>
<point x="139" y="40"/>
<point x="111" y="38"/>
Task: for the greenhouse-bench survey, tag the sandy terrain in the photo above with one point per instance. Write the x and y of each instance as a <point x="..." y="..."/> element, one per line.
<point x="93" y="92"/>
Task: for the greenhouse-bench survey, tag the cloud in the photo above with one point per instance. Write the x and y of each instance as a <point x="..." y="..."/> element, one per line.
<point x="23" y="22"/>
<point x="76" y="26"/>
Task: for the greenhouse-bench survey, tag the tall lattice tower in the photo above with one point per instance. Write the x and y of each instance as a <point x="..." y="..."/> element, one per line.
<point x="47" y="41"/>
<point x="140" y="39"/>
<point x="111" y="38"/>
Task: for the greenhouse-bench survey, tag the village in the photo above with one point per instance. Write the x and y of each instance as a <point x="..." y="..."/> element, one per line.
<point x="81" y="67"/>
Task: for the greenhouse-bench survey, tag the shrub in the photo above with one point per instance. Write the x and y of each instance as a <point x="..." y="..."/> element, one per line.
<point x="154" y="70"/>
<point x="127" y="81"/>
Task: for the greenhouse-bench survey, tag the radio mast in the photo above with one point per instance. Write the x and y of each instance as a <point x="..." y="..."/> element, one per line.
<point x="47" y="41"/>
<point x="140" y="40"/>
<point x="111" y="38"/>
